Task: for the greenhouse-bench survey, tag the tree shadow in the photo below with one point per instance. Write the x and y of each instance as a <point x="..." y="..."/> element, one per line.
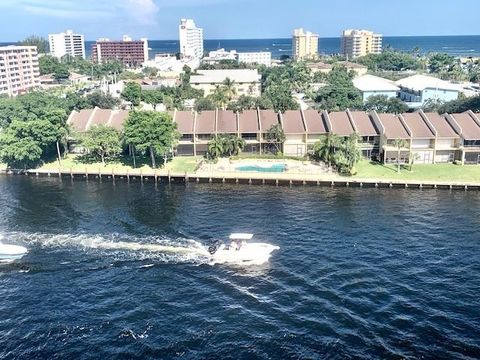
<point x="388" y="166"/>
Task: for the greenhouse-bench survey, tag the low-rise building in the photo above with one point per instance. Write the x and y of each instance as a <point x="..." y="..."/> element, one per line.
<point x="370" y="85"/>
<point x="467" y="125"/>
<point x="19" y="70"/>
<point x="246" y="81"/>
<point x="260" y="58"/>
<point x="423" y="136"/>
<point x="416" y="90"/>
<point x="216" y="56"/>
<point x="315" y="126"/>
<point x="393" y="129"/>
<point x="368" y="132"/>
<point x="295" y="133"/>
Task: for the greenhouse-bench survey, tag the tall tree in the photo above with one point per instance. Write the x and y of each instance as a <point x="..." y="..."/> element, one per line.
<point x="38" y="41"/>
<point x="103" y="141"/>
<point x="399" y="144"/>
<point x="132" y="93"/>
<point x="275" y="137"/>
<point x="384" y="104"/>
<point x="151" y="131"/>
<point x="152" y="97"/>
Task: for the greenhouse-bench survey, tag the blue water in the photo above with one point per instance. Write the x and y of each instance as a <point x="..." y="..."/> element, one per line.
<point x="275" y="168"/>
<point x="453" y="45"/>
<point x="360" y="274"/>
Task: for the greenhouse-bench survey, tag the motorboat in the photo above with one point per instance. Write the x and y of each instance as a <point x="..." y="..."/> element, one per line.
<point x="241" y="251"/>
<point x="11" y="252"/>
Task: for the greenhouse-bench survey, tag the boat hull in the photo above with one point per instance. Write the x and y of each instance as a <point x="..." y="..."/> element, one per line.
<point x="11" y="252"/>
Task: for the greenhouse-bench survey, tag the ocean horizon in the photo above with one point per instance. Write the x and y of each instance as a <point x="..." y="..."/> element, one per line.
<point x="455" y="45"/>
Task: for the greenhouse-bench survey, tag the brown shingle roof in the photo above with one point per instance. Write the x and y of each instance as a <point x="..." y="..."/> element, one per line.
<point x="268" y="118"/>
<point x="443" y="127"/>
<point x="470" y="129"/>
<point x="101" y="117"/>
<point x="292" y="122"/>
<point x="394" y="128"/>
<point x="418" y="126"/>
<point x="340" y="123"/>
<point x="364" y="124"/>
<point x="226" y="122"/>
<point x="185" y="121"/>
<point x="79" y="120"/>
<point x="314" y="122"/>
<point x="248" y="121"/>
<point x="205" y="122"/>
<point x="118" y="119"/>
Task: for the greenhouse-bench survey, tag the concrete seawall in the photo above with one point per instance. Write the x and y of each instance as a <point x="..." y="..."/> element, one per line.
<point x="275" y="179"/>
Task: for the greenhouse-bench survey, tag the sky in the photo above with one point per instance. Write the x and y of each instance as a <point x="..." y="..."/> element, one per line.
<point x="236" y="19"/>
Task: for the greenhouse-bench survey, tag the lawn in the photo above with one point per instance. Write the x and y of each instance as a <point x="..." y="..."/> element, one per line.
<point x="438" y="172"/>
<point x="123" y="163"/>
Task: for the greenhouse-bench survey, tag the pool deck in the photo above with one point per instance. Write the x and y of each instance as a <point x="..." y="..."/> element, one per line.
<point x="257" y="178"/>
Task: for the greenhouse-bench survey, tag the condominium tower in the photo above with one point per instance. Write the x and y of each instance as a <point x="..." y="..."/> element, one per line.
<point x="67" y="43"/>
<point x="357" y="43"/>
<point x="130" y="52"/>
<point x="191" y="39"/>
<point x="19" y="71"/>
<point x="304" y="44"/>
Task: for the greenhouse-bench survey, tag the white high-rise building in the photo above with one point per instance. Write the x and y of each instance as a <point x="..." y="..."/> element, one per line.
<point x="67" y="43"/>
<point x="191" y="39"/>
<point x="19" y="71"/>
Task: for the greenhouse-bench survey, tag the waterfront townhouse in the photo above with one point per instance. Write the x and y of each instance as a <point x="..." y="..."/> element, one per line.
<point x="205" y="130"/>
<point x="315" y="126"/>
<point x="467" y="124"/>
<point x="267" y="119"/>
<point x="370" y="85"/>
<point x="393" y="128"/>
<point x="422" y="144"/>
<point x="249" y="130"/>
<point x="368" y="131"/>
<point x="416" y="90"/>
<point x="185" y="121"/>
<point x="245" y="81"/>
<point x="447" y="140"/>
<point x="295" y="133"/>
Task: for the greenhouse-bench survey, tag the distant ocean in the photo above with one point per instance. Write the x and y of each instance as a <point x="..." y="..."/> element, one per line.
<point x="453" y="45"/>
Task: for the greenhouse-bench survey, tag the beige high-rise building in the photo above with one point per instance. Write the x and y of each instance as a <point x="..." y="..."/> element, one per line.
<point x="357" y="43"/>
<point x="304" y="44"/>
<point x="19" y="71"/>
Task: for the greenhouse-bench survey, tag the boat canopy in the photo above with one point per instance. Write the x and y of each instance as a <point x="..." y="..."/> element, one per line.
<point x="241" y="236"/>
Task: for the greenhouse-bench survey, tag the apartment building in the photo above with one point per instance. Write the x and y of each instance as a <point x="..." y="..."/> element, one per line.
<point x="191" y="39"/>
<point x="131" y="53"/>
<point x="431" y="138"/>
<point x="67" y="43"/>
<point x="356" y="43"/>
<point x="245" y="81"/>
<point x="260" y="58"/>
<point x="304" y="44"/>
<point x="19" y="71"/>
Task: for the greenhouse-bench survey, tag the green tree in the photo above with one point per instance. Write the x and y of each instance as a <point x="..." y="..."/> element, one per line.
<point x="275" y="137"/>
<point x="132" y="93"/>
<point x="215" y="148"/>
<point x="204" y="104"/>
<point x="384" y="104"/>
<point x="151" y="131"/>
<point x="219" y="96"/>
<point x="244" y="102"/>
<point x="152" y="97"/>
<point x="325" y="148"/>
<point x="441" y="63"/>
<point x="23" y="143"/>
<point x="102" y="141"/>
<point x="390" y="60"/>
<point x="38" y="41"/>
<point x="340" y="93"/>
<point x="229" y="88"/>
<point x="10" y="109"/>
<point x="48" y="64"/>
<point x="101" y="100"/>
<point x="61" y="73"/>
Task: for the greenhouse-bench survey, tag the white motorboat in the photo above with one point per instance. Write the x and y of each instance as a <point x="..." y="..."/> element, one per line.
<point x="240" y="251"/>
<point x="11" y="252"/>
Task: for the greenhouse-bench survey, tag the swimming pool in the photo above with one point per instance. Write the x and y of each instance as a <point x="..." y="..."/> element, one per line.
<point x="274" y="168"/>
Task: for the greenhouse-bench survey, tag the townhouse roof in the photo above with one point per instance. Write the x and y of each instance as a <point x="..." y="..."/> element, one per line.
<point x="364" y="124"/>
<point x="293" y="122"/>
<point x="206" y="122"/>
<point x="248" y="121"/>
<point x="422" y="82"/>
<point x="226" y="122"/>
<point x="100" y="117"/>
<point x="470" y="128"/>
<point x="314" y="122"/>
<point x="394" y="128"/>
<point x="78" y="120"/>
<point x="118" y="118"/>
<point x="374" y="83"/>
<point x="341" y="123"/>
<point x="268" y="118"/>
<point x="443" y="127"/>
<point x="418" y="126"/>
<point x="185" y="121"/>
<point x="218" y="76"/>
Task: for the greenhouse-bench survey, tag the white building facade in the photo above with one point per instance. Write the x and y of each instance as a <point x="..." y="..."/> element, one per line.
<point x="260" y="58"/>
<point x="245" y="81"/>
<point x="67" y="43"/>
<point x="191" y="39"/>
<point x="19" y="71"/>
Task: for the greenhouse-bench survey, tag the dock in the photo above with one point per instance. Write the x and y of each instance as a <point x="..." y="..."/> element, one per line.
<point x="273" y="179"/>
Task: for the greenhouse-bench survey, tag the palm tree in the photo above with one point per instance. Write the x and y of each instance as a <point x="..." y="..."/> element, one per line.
<point x="399" y="144"/>
<point x="229" y="88"/>
<point x="215" y="148"/>
<point x="238" y="145"/>
<point x="352" y="152"/>
<point x="219" y="96"/>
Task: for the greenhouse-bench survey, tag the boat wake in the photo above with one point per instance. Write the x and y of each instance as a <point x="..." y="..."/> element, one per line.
<point x="126" y="247"/>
